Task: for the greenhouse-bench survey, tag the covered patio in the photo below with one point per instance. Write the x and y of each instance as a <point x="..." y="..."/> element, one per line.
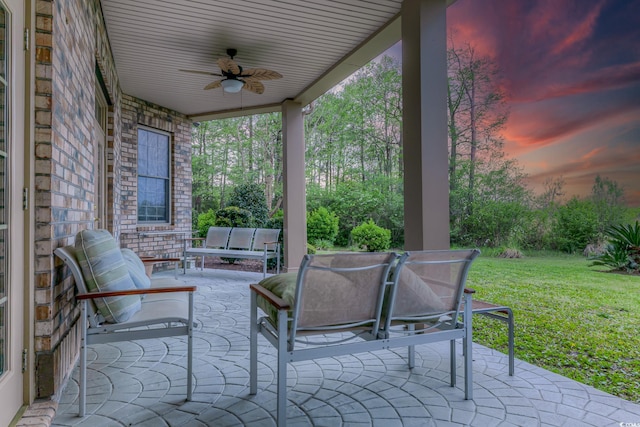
<point x="143" y="383"/>
<point x="96" y="76"/>
<point x="105" y="96"/>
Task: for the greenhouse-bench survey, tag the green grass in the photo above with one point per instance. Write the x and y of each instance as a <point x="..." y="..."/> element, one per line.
<point x="570" y="318"/>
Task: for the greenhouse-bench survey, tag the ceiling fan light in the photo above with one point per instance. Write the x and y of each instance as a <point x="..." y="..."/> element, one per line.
<point x="232" y="85"/>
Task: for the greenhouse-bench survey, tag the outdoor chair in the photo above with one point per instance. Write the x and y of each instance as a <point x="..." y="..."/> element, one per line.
<point x="119" y="304"/>
<point x="357" y="302"/>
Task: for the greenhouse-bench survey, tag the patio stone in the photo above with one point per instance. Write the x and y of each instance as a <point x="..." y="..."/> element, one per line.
<point x="143" y="383"/>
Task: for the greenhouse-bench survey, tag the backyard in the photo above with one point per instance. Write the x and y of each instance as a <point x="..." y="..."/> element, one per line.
<point x="570" y="318"/>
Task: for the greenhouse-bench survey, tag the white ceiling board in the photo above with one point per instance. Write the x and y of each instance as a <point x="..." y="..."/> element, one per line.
<point x="313" y="44"/>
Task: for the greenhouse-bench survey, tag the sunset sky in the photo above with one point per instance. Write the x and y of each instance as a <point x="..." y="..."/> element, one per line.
<point x="571" y="72"/>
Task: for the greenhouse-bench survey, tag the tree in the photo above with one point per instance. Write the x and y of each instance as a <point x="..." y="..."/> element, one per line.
<point x="553" y="192"/>
<point x="608" y="201"/>
<point x="230" y="152"/>
<point x="479" y="175"/>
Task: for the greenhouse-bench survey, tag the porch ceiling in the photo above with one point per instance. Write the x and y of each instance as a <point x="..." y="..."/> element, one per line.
<point x="314" y="45"/>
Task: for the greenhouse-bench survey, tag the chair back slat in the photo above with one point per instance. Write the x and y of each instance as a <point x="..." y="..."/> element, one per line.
<point x="217" y="237"/>
<point x="430" y="285"/>
<point x="241" y="238"/>
<point x="268" y="236"/>
<point x="341" y="290"/>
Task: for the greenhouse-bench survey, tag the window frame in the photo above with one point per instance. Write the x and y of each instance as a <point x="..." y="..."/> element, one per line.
<point x="169" y="179"/>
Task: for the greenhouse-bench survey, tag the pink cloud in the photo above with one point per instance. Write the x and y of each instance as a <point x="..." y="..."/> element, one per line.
<point x="581" y="32"/>
<point x="531" y="128"/>
<point x="607" y="78"/>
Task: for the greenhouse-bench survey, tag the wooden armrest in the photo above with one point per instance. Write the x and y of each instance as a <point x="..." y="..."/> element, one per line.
<point x="469" y="291"/>
<point x="157" y="260"/>
<point x="158" y="290"/>
<point x="273" y="299"/>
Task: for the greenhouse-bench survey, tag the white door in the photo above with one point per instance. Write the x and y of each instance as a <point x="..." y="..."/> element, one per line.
<point x="12" y="232"/>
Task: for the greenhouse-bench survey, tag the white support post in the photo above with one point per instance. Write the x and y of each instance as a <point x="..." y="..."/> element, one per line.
<point x="294" y="188"/>
<point x="424" y="93"/>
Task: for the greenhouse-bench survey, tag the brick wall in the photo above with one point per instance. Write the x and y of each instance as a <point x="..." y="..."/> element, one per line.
<point x="161" y="239"/>
<point x="70" y="42"/>
<point x="64" y="191"/>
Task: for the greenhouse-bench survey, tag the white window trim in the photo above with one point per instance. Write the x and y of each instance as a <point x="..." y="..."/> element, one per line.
<point x="169" y="195"/>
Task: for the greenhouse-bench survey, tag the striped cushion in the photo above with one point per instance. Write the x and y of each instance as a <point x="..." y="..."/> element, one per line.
<point x="104" y="269"/>
<point x="136" y="269"/>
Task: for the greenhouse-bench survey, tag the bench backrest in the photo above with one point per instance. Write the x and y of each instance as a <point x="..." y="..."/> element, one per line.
<point x="217" y="237"/>
<point x="266" y="237"/>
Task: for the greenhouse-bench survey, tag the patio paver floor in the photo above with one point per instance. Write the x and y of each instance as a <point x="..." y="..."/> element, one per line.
<point x="143" y="383"/>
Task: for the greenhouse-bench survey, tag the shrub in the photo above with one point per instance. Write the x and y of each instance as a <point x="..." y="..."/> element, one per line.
<point x="276" y="221"/>
<point x="233" y="216"/>
<point x="250" y="197"/>
<point x="494" y="223"/>
<point x="370" y="237"/>
<point x="623" y="251"/>
<point x="205" y="220"/>
<point x="322" y="225"/>
<point x="576" y="226"/>
<point x="510" y="253"/>
<point x="322" y="244"/>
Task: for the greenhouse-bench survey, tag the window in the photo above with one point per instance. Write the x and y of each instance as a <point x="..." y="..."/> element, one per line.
<point x="153" y="175"/>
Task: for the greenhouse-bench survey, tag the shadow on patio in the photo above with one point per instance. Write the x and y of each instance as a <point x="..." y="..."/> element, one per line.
<point x="143" y="383"/>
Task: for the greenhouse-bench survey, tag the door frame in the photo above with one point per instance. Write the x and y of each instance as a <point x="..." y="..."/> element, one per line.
<point x="29" y="377"/>
<point x="21" y="356"/>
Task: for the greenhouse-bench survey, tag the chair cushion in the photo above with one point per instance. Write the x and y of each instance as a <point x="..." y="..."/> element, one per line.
<point x="104" y="269"/>
<point x="281" y="285"/>
<point x="315" y="312"/>
<point x="415" y="296"/>
<point x="136" y="269"/>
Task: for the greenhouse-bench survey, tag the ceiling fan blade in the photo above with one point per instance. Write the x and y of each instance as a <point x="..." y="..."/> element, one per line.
<point x="202" y="72"/>
<point x="213" y="85"/>
<point x="261" y="74"/>
<point x="228" y="65"/>
<point x="253" y="86"/>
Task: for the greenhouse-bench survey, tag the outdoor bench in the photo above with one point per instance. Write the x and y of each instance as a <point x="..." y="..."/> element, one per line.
<point x="236" y="242"/>
<point x="347" y="303"/>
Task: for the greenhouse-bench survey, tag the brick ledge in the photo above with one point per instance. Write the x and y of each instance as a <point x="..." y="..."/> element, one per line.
<point x="39" y="414"/>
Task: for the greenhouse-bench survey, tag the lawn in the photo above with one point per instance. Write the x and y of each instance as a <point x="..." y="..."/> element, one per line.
<point x="570" y="318"/>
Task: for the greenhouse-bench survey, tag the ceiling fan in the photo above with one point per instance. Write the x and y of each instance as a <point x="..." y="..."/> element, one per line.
<point x="236" y="78"/>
